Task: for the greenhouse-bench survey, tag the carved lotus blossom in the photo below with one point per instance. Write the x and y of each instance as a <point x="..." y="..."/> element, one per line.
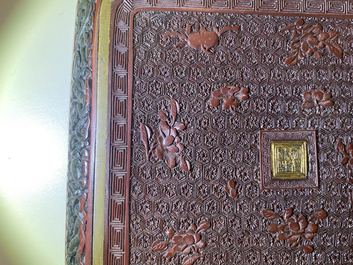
<point x="347" y="154"/>
<point x="188" y="244"/>
<point x="166" y="144"/>
<point x="229" y="97"/>
<point x="317" y="98"/>
<point x="311" y="40"/>
<point x="294" y="229"/>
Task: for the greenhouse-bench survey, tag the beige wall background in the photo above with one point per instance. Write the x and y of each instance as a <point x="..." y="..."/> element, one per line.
<point x="36" y="44"/>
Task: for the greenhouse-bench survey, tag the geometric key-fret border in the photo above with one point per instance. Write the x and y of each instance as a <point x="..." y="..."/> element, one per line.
<point x="121" y="90"/>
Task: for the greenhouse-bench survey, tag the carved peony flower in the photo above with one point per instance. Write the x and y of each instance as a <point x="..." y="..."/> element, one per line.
<point x="316" y="99"/>
<point x="229" y="97"/>
<point x="188" y="244"/>
<point x="311" y="40"/>
<point x="293" y="228"/>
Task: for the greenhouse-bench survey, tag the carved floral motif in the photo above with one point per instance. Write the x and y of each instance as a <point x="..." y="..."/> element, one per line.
<point x="188" y="244"/>
<point x="311" y="40"/>
<point x="347" y="153"/>
<point x="317" y="98"/>
<point x="229" y="96"/>
<point x="166" y="144"/>
<point x="295" y="229"/>
<point x="202" y="39"/>
<point x="231" y="189"/>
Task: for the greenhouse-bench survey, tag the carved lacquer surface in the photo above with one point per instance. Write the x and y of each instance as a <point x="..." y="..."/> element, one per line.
<point x="223" y="183"/>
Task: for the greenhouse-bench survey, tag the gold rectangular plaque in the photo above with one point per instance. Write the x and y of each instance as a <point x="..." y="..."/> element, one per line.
<point x="289" y="160"/>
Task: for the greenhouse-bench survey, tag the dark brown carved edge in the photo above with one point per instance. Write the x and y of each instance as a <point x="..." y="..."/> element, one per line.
<point x="189" y="244"/>
<point x="296" y="229"/>
<point x="310" y="40"/>
<point x="79" y="209"/>
<point x="203" y="39"/>
<point x="166" y="143"/>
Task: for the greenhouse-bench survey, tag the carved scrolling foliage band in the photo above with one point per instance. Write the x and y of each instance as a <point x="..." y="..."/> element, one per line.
<point x="78" y="247"/>
<point x="116" y="248"/>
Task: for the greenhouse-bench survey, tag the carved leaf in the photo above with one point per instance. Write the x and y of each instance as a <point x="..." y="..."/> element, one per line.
<point x="272" y="228"/>
<point x="321" y="214"/>
<point x="163" y="116"/>
<point x="189" y="239"/>
<point x="180" y="126"/>
<point x="294" y="226"/>
<point x="165" y="128"/>
<point x="214" y="102"/>
<point x="303" y="223"/>
<point x="308" y="105"/>
<point x="292" y="59"/>
<point x="168" y="140"/>
<point x="184" y="165"/>
<point x="326" y="103"/>
<point x="294" y="240"/>
<point x="203" y="227"/>
<point x="231" y="184"/>
<point x="187" y="250"/>
<point x="171" y="162"/>
<point x="159" y="245"/>
<point x="281" y="236"/>
<point x="308" y="249"/>
<point x="174" y="109"/>
<point x="336" y="50"/>
<point x="233" y="193"/>
<point x="312" y="228"/>
<point x="345" y="161"/>
<point x="145" y="133"/>
<point x="288" y="213"/>
<point x="201" y="244"/>
<point x="341" y="147"/>
<point x="269" y="214"/>
<point x="190" y="260"/>
<point x="159" y="153"/>
<point x="309" y="236"/>
<point x="170" y="233"/>
<point x="318" y="94"/>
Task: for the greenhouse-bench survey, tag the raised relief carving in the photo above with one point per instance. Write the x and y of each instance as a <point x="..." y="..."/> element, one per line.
<point x="347" y="154"/>
<point x="289" y="159"/>
<point x="309" y="40"/>
<point x="317" y="99"/>
<point x="229" y="97"/>
<point x="231" y="189"/>
<point x="166" y="143"/>
<point x="202" y="39"/>
<point x="296" y="229"/>
<point x="188" y="244"/>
